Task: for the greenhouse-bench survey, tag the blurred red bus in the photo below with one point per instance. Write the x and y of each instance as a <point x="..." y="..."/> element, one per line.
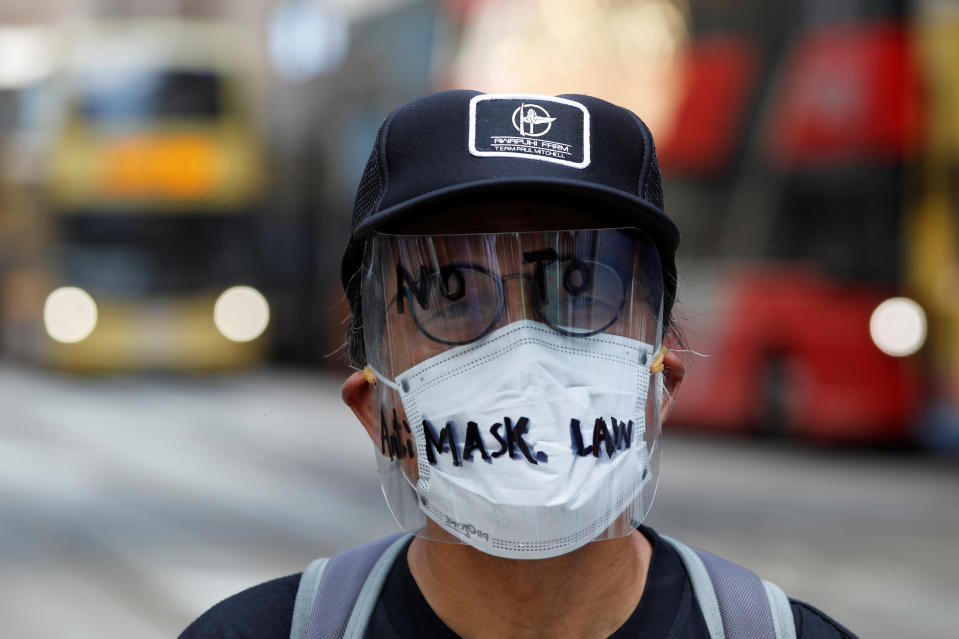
<point x="799" y="173"/>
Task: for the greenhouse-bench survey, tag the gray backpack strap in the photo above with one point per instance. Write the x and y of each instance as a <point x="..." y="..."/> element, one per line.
<point x="781" y="610"/>
<point x="370" y="593"/>
<point x="305" y="596"/>
<point x="337" y="596"/>
<point x="736" y="604"/>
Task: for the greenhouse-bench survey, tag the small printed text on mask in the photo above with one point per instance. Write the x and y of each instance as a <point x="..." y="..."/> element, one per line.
<point x="511" y="435"/>
<point x="467" y="530"/>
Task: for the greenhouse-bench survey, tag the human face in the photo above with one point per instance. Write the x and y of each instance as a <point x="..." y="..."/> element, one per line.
<point x="415" y="289"/>
<point x="379" y="406"/>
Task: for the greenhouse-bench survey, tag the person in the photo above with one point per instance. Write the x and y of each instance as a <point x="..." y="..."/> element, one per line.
<point x="511" y="277"/>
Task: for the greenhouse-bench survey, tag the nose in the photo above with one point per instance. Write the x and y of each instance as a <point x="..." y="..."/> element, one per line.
<point x="519" y="297"/>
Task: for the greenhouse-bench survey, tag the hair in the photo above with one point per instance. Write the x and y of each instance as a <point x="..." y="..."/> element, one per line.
<point x="355" y="344"/>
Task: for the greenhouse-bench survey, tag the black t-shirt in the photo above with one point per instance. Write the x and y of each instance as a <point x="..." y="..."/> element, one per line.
<point x="667" y="609"/>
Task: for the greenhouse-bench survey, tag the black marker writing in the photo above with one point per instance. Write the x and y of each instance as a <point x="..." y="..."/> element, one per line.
<point x="436" y="442"/>
<point x="504" y="446"/>
<point x="541" y="258"/>
<point x="452" y="285"/>
<point x="622" y="433"/>
<point x="577" y="277"/>
<point x="451" y="274"/>
<point x="474" y="442"/>
<point x="392" y="439"/>
<point x="601" y="434"/>
<point x="510" y="437"/>
<point x="406" y="282"/>
<point x="515" y="434"/>
<point x="577" y="438"/>
<point x="620" y="438"/>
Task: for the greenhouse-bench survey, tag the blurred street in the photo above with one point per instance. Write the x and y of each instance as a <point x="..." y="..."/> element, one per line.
<point x="129" y="505"/>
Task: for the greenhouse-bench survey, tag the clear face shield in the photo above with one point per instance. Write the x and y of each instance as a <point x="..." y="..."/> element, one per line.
<point x="518" y="394"/>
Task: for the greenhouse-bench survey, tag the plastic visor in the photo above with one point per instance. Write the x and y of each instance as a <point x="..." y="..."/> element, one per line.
<point x="517" y="410"/>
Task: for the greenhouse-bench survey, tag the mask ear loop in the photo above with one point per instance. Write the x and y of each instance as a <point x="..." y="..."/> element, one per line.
<point x="372" y="376"/>
<point x="657" y="366"/>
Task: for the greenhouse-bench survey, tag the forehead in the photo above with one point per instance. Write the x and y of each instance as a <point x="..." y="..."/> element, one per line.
<point x="496" y="216"/>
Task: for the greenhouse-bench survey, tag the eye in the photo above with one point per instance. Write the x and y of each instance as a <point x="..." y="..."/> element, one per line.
<point x="452" y="311"/>
<point x="465" y="301"/>
<point x="581" y="297"/>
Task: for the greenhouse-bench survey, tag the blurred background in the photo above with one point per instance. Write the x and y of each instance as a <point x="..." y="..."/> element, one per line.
<point x="176" y="183"/>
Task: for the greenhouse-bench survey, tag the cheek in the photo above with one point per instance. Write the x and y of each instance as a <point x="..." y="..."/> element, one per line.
<point x="653" y="411"/>
<point x="404" y="345"/>
<point x="635" y="322"/>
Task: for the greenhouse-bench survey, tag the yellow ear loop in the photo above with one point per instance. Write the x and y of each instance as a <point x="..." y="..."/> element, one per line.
<point x="369" y="376"/>
<point x="657" y="364"/>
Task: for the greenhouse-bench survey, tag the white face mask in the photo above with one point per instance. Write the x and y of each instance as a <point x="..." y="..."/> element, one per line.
<point x="530" y="443"/>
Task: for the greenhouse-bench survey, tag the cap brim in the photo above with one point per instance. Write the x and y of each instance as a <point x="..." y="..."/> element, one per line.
<point x="618" y="208"/>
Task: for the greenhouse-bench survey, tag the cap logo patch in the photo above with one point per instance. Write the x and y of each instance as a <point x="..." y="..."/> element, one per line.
<point x="532" y="127"/>
<point x="528" y="117"/>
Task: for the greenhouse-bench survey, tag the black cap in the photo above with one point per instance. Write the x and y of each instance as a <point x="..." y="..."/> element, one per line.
<point x="457" y="146"/>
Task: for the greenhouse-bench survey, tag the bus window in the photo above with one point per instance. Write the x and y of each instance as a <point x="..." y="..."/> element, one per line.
<point x="151" y="255"/>
<point x="131" y="96"/>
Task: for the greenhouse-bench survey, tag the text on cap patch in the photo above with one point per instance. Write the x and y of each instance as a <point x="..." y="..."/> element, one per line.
<point x="532" y="127"/>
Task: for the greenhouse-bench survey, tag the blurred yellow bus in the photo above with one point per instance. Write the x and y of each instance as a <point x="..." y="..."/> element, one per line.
<point x="153" y="179"/>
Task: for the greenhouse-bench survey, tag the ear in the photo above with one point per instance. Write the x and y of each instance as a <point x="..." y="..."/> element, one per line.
<point x="357" y="393"/>
<point x="673" y="374"/>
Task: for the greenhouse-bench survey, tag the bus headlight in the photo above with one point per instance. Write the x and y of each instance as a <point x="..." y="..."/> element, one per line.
<point x="241" y="313"/>
<point x="898" y="326"/>
<point x="69" y="314"/>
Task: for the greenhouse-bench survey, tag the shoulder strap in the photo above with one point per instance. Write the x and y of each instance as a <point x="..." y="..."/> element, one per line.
<point x="305" y="596"/>
<point x="736" y="604"/>
<point x="336" y="596"/>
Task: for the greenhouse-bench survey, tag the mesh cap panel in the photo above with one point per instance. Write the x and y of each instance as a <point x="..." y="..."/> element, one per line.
<point x="653" y="189"/>
<point x="370" y="190"/>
